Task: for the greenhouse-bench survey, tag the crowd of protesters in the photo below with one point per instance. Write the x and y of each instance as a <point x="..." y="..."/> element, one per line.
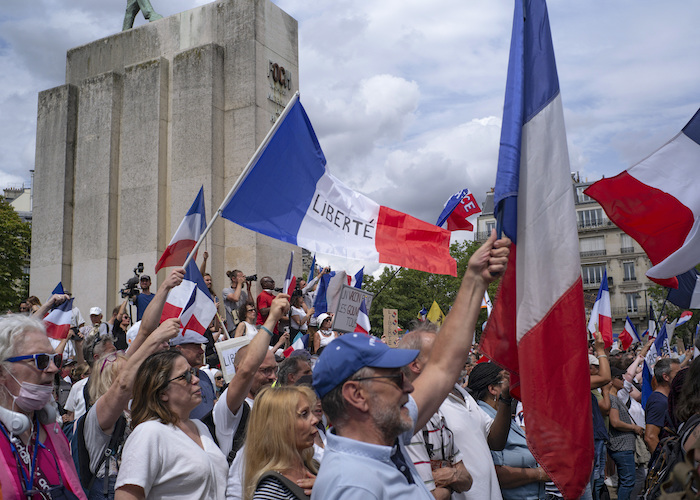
<point x="141" y="411"/>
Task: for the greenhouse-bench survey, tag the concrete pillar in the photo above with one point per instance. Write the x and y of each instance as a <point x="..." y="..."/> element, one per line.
<point x="53" y="189"/>
<point x="96" y="203"/>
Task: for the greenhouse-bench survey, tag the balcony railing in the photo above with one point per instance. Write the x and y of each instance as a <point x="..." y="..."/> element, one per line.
<point x="621" y="312"/>
<point x="627" y="250"/>
<point x="629" y="278"/>
<point x="594" y="224"/>
<point x="593" y="253"/>
<point x="483" y="235"/>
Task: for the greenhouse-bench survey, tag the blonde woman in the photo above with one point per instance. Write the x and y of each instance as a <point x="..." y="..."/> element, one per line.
<point x="283" y="426"/>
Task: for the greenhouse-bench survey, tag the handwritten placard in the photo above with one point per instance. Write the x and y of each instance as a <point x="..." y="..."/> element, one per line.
<point x="227" y="354"/>
<point x="391" y="327"/>
<point x="349" y="302"/>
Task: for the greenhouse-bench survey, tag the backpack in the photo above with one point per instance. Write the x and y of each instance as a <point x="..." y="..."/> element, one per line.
<point x="668" y="453"/>
<point x="684" y="483"/>
<point x="81" y="456"/>
<point x="239" y="436"/>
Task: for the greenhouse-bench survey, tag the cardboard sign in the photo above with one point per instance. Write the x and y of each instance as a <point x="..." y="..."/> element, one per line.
<point x="391" y="327"/>
<point x="227" y="353"/>
<point x="345" y="317"/>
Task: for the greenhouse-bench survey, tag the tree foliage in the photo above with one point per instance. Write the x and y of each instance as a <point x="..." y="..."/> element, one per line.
<point x="15" y="241"/>
<point x="410" y="290"/>
<point x="657" y="295"/>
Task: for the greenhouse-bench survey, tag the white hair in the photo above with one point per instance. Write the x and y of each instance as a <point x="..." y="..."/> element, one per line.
<point x="13" y="327"/>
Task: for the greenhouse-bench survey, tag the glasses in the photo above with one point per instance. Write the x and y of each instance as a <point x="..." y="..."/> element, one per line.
<point x="109" y="359"/>
<point x="268" y="372"/>
<point x="218" y="378"/>
<point x="41" y="361"/>
<point x="250" y="310"/>
<point x="187" y="376"/>
<point x="396" y="378"/>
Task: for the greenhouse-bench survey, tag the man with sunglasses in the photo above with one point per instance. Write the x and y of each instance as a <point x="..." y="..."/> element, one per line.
<point x="375" y="409"/>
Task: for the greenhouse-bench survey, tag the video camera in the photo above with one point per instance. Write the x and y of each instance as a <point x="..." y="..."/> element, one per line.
<point x="252" y="278"/>
<point x="131" y="287"/>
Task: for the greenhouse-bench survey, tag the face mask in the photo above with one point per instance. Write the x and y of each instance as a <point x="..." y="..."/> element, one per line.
<point x="32" y="397"/>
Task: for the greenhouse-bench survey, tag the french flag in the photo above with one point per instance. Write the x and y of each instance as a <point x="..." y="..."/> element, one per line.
<point x="57" y="322"/>
<point x="313" y="209"/>
<point x="539" y="310"/>
<point x="301" y="342"/>
<point x="290" y="281"/>
<point x="58" y="290"/>
<point x="687" y="295"/>
<point x="457" y="208"/>
<point x="362" y="325"/>
<point x="655" y="204"/>
<point x="186" y="236"/>
<point x="629" y="335"/>
<point x="191" y="302"/>
<point x="601" y="315"/>
<point x="356" y="280"/>
<point x="685" y="317"/>
<point x="328" y="292"/>
<point x="655" y="351"/>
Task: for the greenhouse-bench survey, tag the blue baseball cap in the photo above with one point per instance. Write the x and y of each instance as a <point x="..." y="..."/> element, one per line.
<point x="350" y="352"/>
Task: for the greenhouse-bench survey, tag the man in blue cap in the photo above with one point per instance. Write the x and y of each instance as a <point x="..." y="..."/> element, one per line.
<point x="374" y="409"/>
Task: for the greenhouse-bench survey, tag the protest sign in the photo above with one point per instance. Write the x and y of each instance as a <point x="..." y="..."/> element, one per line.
<point x="391" y="327"/>
<point x="349" y="301"/>
<point x="227" y="353"/>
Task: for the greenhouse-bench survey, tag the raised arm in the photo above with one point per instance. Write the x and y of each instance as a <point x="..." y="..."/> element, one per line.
<point x="603" y="376"/>
<point x="55" y="300"/>
<point x="110" y="406"/>
<point x="203" y="266"/>
<point x="240" y="383"/>
<point x="452" y="344"/>
<point x="151" y="316"/>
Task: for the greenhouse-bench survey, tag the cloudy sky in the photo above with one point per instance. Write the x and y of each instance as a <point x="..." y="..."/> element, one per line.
<point x="406" y="96"/>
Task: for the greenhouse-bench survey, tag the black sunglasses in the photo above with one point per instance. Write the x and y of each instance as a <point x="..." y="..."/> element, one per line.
<point x="41" y="361"/>
<point x="187" y="376"/>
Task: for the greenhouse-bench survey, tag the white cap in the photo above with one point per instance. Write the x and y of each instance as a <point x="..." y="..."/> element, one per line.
<point x="95" y="311"/>
<point x="321" y="318"/>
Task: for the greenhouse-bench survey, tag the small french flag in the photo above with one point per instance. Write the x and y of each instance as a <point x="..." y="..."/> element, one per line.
<point x="191" y="302"/>
<point x="186" y="236"/>
<point x="685" y="317"/>
<point x="57" y="322"/>
<point x="601" y="315"/>
<point x="290" y="281"/>
<point x="362" y="325"/>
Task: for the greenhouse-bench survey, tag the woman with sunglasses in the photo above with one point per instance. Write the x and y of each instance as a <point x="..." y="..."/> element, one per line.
<point x="283" y="426"/>
<point x="169" y="456"/>
<point x="247" y="327"/>
<point x="35" y="461"/>
<point x="110" y="386"/>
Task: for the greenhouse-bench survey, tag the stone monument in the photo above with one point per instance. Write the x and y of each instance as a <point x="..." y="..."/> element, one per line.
<point x="145" y="118"/>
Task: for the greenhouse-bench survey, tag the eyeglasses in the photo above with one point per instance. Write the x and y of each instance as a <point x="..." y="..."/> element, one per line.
<point x="396" y="378"/>
<point x="250" y="310"/>
<point x="187" y="376"/>
<point x="269" y="371"/>
<point x="41" y="361"/>
<point x="218" y="378"/>
<point x="109" y="359"/>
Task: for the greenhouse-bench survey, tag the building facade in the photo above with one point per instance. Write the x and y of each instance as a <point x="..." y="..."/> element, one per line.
<point x="602" y="247"/>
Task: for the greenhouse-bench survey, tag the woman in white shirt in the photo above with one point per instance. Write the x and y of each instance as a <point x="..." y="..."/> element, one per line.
<point x="324" y="335"/>
<point x="300" y="317"/>
<point x="247" y="328"/>
<point x="168" y="455"/>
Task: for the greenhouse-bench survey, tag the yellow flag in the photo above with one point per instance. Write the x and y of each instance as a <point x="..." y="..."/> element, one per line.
<point x="435" y="315"/>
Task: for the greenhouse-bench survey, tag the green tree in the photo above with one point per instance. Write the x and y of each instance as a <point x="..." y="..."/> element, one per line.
<point x="408" y="290"/>
<point x="658" y="294"/>
<point x="15" y="241"/>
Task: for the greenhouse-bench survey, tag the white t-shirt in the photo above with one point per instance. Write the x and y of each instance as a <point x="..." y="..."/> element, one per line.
<point x="471" y="426"/>
<point x="76" y="400"/>
<point x="298" y="311"/>
<point x="226" y="424"/>
<point x="326" y="339"/>
<point x="168" y="464"/>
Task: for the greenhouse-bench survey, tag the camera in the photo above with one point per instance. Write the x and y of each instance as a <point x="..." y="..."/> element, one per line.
<point x="252" y="278"/>
<point x="131" y="287"/>
<point x="278" y="290"/>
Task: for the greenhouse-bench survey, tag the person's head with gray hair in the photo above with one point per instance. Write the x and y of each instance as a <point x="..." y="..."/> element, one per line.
<point x="12" y="330"/>
<point x="665" y="369"/>
<point x="420" y="339"/>
<point x="95" y="346"/>
<point x="291" y="369"/>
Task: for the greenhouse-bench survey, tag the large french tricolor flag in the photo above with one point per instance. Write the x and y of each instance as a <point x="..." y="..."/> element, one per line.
<point x="601" y="314"/>
<point x="186" y="236"/>
<point x="537" y="328"/>
<point x="328" y="292"/>
<point x="191" y="302"/>
<point x="57" y="322"/>
<point x="307" y="206"/>
<point x="655" y="204"/>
